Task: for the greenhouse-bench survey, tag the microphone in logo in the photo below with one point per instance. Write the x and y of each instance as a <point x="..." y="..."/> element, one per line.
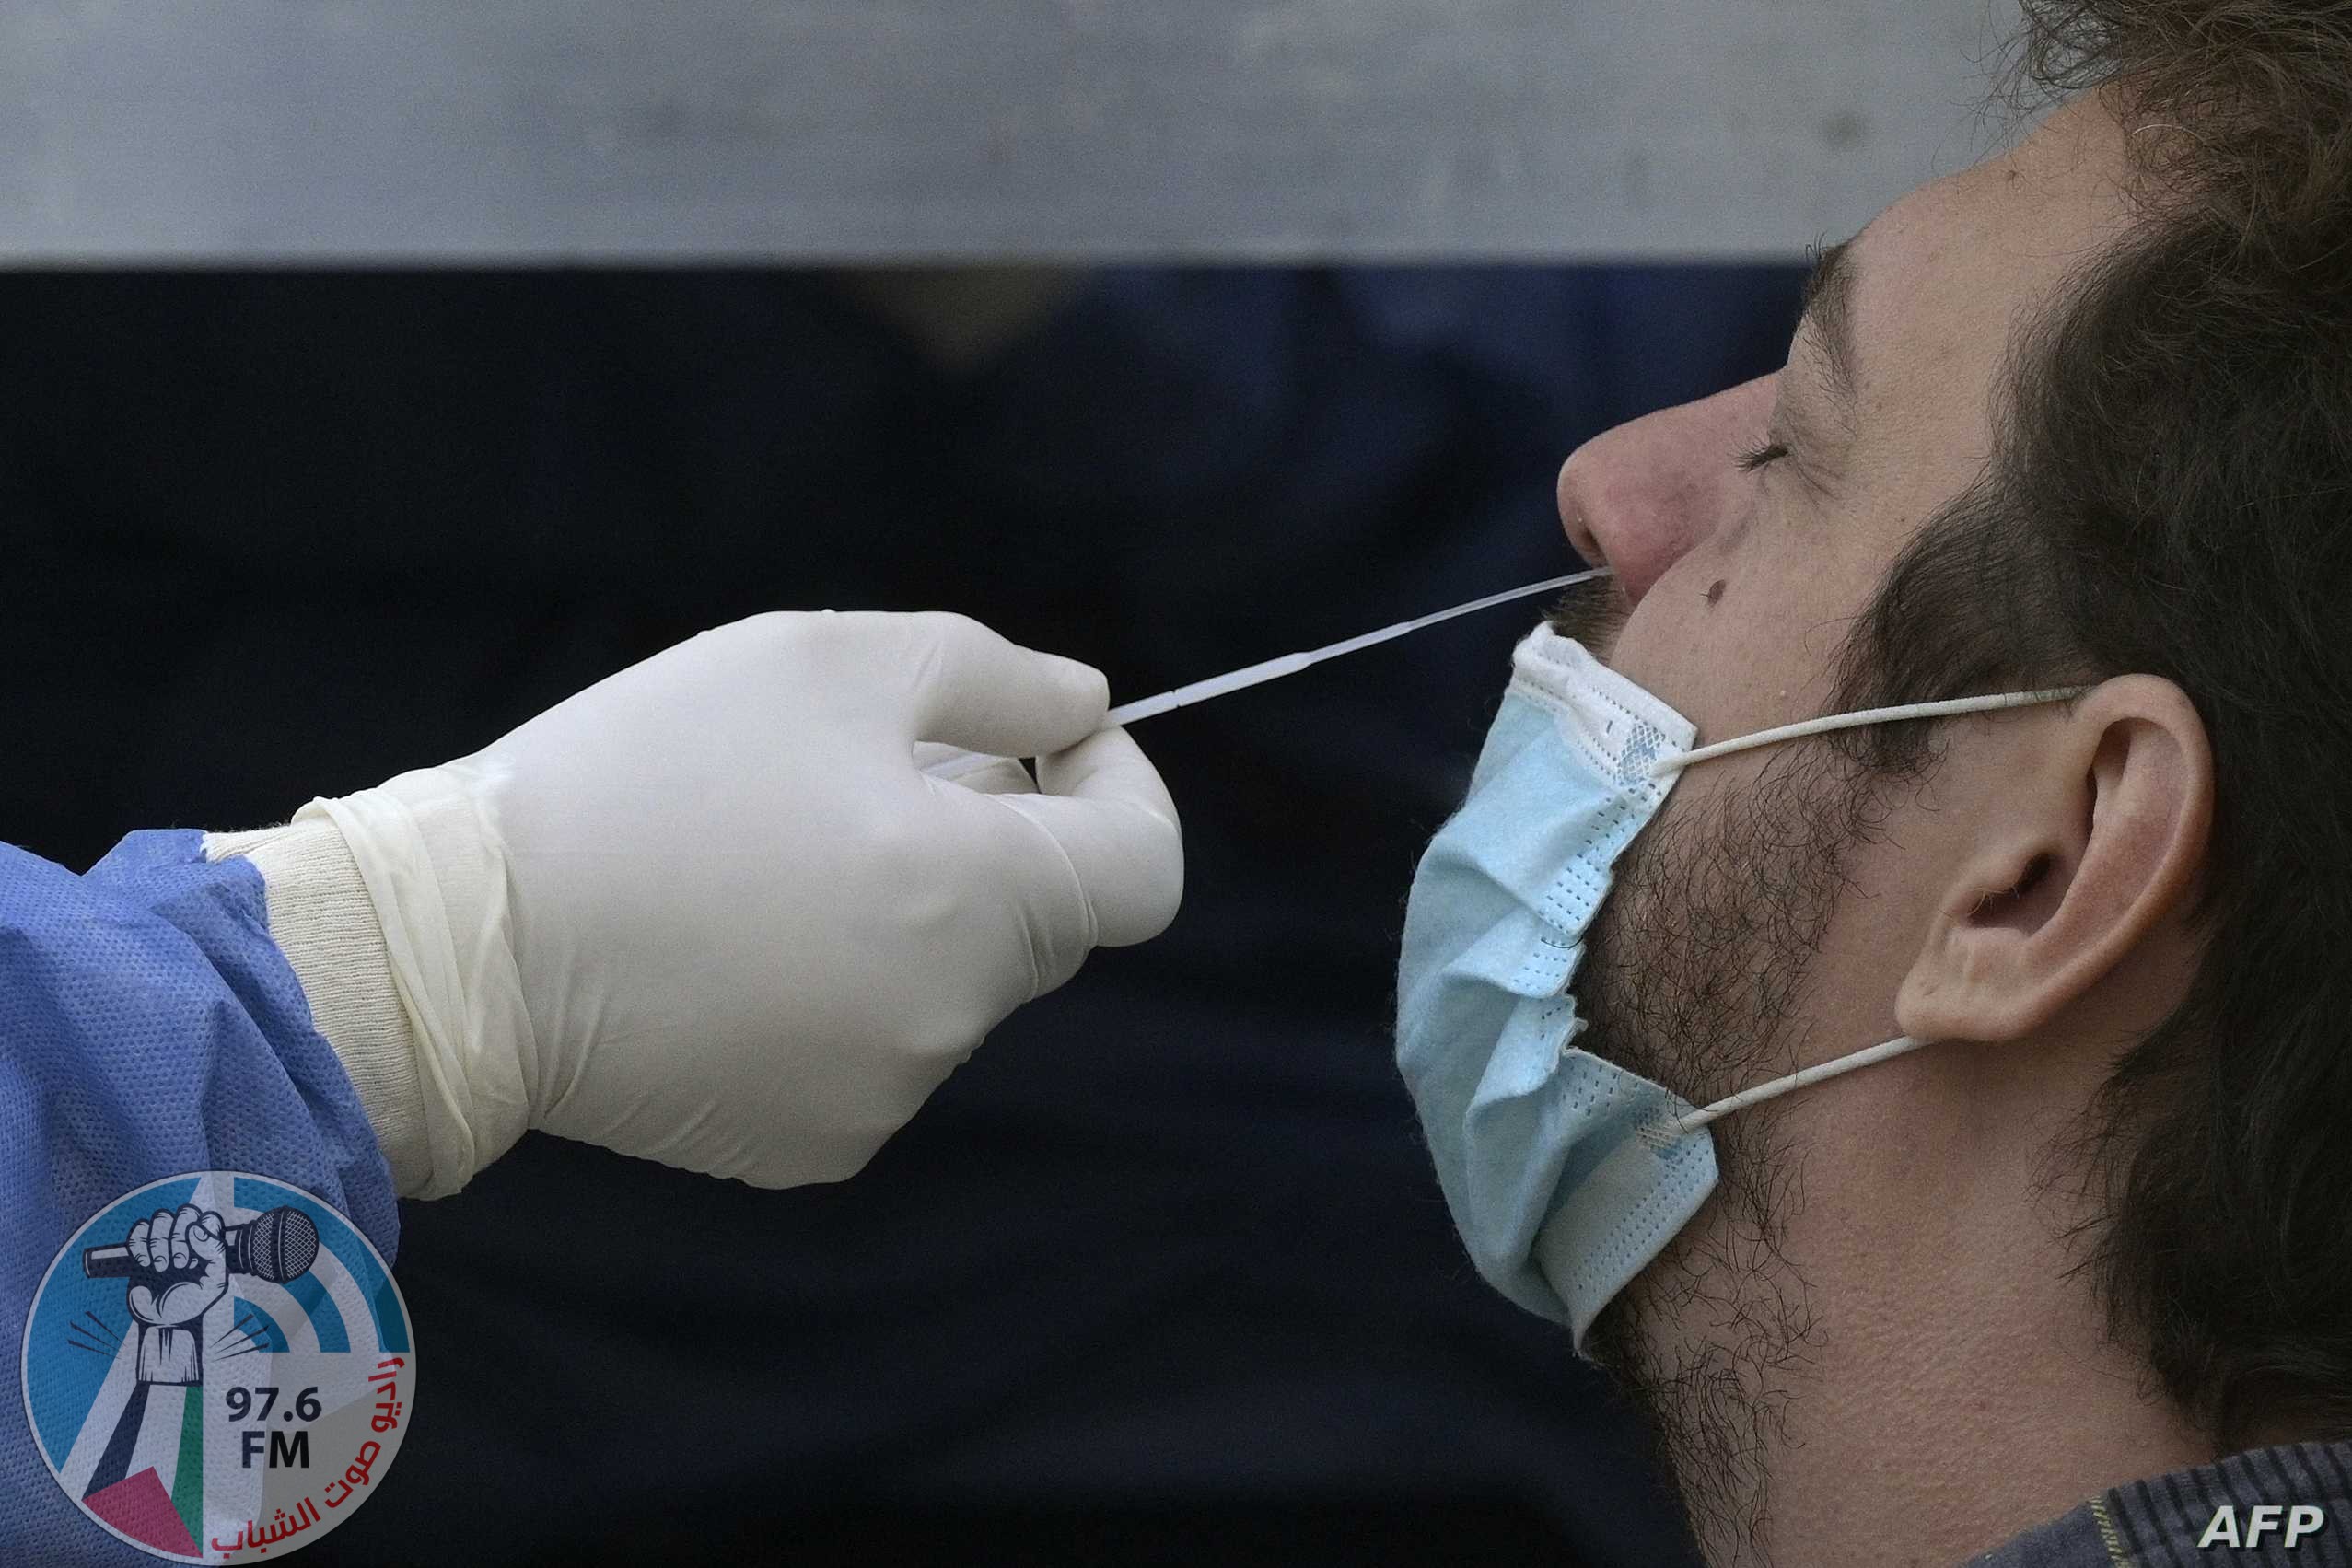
<point x="277" y="1245"/>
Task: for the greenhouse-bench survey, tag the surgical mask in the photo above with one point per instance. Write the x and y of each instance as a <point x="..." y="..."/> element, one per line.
<point x="1564" y="1173"/>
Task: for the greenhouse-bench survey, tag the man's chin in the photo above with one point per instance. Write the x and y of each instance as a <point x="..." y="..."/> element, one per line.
<point x="1711" y="1407"/>
<point x="1617" y="1344"/>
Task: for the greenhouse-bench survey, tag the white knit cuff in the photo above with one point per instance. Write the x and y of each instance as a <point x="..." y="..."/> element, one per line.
<point x="436" y="874"/>
<point x="321" y="920"/>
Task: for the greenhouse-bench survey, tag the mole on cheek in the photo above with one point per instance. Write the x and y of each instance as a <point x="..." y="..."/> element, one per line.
<point x="1716" y="591"/>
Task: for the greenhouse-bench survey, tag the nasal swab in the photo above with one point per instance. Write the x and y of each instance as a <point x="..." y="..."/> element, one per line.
<point x="1291" y="664"/>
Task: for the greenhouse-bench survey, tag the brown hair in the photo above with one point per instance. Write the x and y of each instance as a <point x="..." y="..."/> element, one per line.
<point x="2171" y="492"/>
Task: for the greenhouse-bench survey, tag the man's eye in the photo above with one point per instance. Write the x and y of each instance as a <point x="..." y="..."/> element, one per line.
<point x="1762" y="456"/>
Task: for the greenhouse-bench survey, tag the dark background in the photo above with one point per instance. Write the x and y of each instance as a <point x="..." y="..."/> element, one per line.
<point x="1162" y="1275"/>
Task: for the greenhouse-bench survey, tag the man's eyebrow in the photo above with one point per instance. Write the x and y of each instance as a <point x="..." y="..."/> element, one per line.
<point x="1828" y="301"/>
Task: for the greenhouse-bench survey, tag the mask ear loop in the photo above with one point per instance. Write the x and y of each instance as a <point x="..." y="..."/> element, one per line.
<point x="1942" y="709"/>
<point x="1902" y="1044"/>
<point x="1798" y="1080"/>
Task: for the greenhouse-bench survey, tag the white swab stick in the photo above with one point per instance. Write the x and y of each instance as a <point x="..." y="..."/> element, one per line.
<point x="1291" y="664"/>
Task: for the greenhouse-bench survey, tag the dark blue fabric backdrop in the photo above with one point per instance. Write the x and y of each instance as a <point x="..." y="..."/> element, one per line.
<point x="1162" y="1274"/>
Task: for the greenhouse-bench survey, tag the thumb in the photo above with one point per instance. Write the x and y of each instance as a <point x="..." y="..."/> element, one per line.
<point x="204" y="1241"/>
<point x="1103" y="802"/>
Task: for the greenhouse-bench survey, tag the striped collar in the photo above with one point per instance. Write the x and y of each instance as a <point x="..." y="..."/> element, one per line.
<point x="2241" y="1509"/>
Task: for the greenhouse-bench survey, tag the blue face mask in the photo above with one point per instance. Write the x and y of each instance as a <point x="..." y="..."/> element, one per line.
<point x="1565" y="1175"/>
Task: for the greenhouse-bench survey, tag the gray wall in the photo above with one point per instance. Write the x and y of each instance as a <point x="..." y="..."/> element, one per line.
<point x="408" y="131"/>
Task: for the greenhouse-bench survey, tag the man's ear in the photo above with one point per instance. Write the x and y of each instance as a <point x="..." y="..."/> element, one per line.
<point x="2084" y="849"/>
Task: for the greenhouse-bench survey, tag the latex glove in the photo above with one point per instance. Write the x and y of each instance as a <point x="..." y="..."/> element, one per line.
<point x="713" y="911"/>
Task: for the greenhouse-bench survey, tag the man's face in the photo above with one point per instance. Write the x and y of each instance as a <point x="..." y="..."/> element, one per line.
<point x="1765" y="921"/>
<point x="1743" y="584"/>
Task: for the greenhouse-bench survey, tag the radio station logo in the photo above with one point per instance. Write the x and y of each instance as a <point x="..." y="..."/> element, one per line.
<point x="218" y="1368"/>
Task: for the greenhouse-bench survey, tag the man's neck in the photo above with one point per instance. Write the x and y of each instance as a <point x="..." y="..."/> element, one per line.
<point x="1930" y="1445"/>
<point x="1956" y="1388"/>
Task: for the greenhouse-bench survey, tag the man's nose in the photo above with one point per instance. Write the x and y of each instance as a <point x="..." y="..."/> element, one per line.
<point x="1637" y="498"/>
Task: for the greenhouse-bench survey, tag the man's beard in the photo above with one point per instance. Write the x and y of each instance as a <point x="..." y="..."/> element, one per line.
<point x="1692" y="975"/>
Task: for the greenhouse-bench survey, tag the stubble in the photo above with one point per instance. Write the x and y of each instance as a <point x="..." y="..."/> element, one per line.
<point x="1695" y="977"/>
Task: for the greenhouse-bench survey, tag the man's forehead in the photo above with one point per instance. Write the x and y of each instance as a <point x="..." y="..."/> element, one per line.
<point x="1939" y="281"/>
<point x="2009" y="224"/>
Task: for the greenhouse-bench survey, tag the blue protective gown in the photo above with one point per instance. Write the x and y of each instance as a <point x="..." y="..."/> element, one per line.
<point x="148" y="1026"/>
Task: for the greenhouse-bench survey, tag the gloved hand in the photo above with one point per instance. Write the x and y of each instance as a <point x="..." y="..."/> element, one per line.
<point x="713" y="911"/>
